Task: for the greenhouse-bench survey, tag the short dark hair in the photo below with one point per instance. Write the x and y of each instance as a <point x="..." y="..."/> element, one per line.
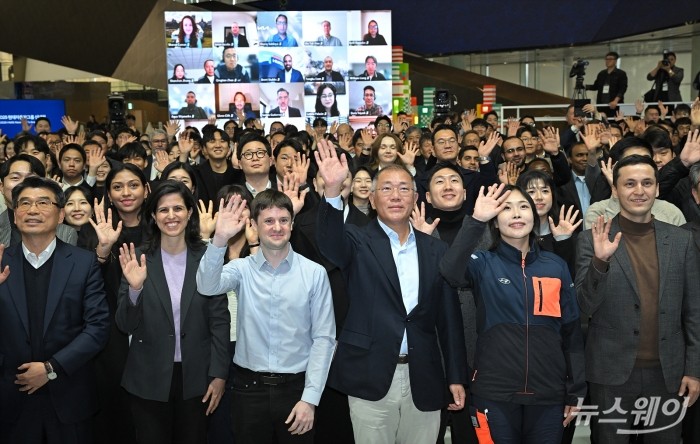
<point x="371" y="57"/>
<point x="657" y="138"/>
<point x="634" y="159"/>
<point x="39" y="182"/>
<point x="442" y="127"/>
<point x="209" y="135"/>
<point x="35" y="165"/>
<point x="466" y="148"/>
<point x="618" y="150"/>
<point x="72" y="146"/>
<point x="39" y="119"/>
<point x="133" y="149"/>
<point x="480" y="122"/>
<point x="530" y="176"/>
<point x="193" y="238"/>
<point x="177" y="165"/>
<point x="441" y="166"/>
<point x="613" y="54"/>
<point x="682" y="107"/>
<point x="288" y="143"/>
<point x="270" y="199"/>
<point x="39" y="143"/>
<point x="370" y="87"/>
<point x="380" y="118"/>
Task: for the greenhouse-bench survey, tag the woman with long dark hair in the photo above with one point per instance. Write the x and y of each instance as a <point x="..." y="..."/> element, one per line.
<point x="326" y="101"/>
<point x="187" y="35"/>
<point x="178" y="360"/>
<point x="528" y="367"/>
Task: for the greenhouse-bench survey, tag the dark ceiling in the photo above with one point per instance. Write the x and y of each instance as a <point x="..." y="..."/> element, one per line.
<point x="431" y="28"/>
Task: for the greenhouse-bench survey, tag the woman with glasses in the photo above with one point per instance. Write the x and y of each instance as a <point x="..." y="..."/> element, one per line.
<point x="528" y="366"/>
<point x="178" y="360"/>
<point x="326" y="102"/>
<point x="373" y="37"/>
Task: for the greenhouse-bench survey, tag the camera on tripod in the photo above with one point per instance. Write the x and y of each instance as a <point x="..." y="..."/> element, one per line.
<point x="579" y="68"/>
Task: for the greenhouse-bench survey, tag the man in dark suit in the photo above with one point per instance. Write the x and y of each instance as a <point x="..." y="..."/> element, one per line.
<point x="209" y="72"/>
<point x="235" y="38"/>
<point x="53" y="321"/>
<point x="388" y="359"/>
<point x="637" y="279"/>
<point x="283" y="109"/>
<point x="289" y="74"/>
<point x="328" y="75"/>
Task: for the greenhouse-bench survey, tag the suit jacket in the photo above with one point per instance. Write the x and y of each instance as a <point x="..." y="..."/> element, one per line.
<point x="369" y="345"/>
<point x="242" y="40"/>
<point x="293" y="112"/>
<point x="204" y="334"/>
<point x="76" y="326"/>
<point x="10" y="235"/>
<point x="335" y="76"/>
<point x="611" y="300"/>
<point x="205" y="79"/>
<point x="296" y="76"/>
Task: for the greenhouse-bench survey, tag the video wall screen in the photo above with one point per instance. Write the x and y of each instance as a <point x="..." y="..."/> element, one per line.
<point x="290" y="66"/>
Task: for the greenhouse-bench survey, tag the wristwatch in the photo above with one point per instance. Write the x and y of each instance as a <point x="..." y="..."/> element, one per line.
<point x="49" y="371"/>
<point x="484" y="159"/>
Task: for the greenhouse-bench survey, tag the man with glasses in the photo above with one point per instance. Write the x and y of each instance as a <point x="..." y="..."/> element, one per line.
<point x="54" y="319"/>
<point x="369" y="108"/>
<point x="383" y="125"/>
<point x="159" y="142"/>
<point x="388" y="359"/>
<point x="229" y="71"/>
<point x="611" y="85"/>
<point x="283" y="109"/>
<point x="281" y="38"/>
<point x="255" y="157"/>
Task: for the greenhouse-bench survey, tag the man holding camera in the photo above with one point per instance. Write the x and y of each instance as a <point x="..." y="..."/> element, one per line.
<point x="611" y="85"/>
<point x="667" y="79"/>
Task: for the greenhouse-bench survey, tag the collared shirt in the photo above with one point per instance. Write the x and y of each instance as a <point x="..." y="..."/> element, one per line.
<point x="406" y="260"/>
<point x="255" y="192"/>
<point x="287" y="77"/>
<point x="583" y="194"/>
<point x="37" y="261"/>
<point x="330" y="41"/>
<point x="285" y="314"/>
<point x="89" y="180"/>
<point x="288" y="40"/>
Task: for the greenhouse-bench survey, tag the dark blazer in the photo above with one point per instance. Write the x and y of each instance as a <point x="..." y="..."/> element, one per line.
<point x="204" y="334"/>
<point x="611" y="300"/>
<point x="296" y="76"/>
<point x="293" y="112"/>
<point x="335" y="76"/>
<point x="76" y="326"/>
<point x="369" y="344"/>
<point x="242" y="40"/>
<point x="205" y="79"/>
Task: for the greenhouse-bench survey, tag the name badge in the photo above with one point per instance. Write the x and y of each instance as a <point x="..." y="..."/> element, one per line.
<point x="606" y="89"/>
<point x="664" y="86"/>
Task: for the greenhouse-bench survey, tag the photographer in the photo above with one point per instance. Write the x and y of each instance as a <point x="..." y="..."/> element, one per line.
<point x="667" y="79"/>
<point x="611" y="85"/>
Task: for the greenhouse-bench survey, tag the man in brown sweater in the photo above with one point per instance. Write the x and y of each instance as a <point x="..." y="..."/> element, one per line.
<point x="637" y="279"/>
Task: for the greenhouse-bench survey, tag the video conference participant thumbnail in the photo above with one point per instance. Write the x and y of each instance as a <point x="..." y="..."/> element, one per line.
<point x="276" y="29"/>
<point x="190" y="101"/>
<point x="282" y="102"/>
<point x="235" y="29"/>
<point x="229" y="70"/>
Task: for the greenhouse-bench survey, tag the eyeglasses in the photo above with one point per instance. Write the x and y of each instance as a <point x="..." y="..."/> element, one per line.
<point x="230" y="56"/>
<point x="154" y="141"/>
<point x="55" y="143"/>
<point x="43" y="205"/>
<point x="443" y="142"/>
<point x="404" y="190"/>
<point x="383" y="125"/>
<point x="514" y="150"/>
<point x="248" y="155"/>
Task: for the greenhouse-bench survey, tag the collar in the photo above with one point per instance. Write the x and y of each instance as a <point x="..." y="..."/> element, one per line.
<point x="512" y="254"/>
<point x="394" y="236"/>
<point x="285" y="265"/>
<point x="38" y="261"/>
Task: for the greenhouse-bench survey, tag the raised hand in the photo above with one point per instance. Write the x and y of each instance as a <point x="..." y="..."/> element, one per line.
<point x="550" y="140"/>
<point x="207" y="219"/>
<point x="513" y="125"/>
<point x="172" y="128"/>
<point x="607" y="170"/>
<point x="107" y="235"/>
<point x="344" y="141"/>
<point x="603" y="248"/>
<point x="691" y="150"/>
<point x="591" y="137"/>
<point x="333" y="170"/>
<point x="185" y="143"/>
<point x="508" y="173"/>
<point x="300" y="167"/>
<point x="334" y="127"/>
<point x="408" y="157"/>
<point x="367" y="137"/>
<point x="251" y="233"/>
<point x="487" y="206"/>
<point x="96" y="157"/>
<point x="211" y="120"/>
<point x="471" y="115"/>
<point x="639" y="106"/>
<point x="418" y="221"/>
<point x="26" y="127"/>
<point x="5" y="271"/>
<point x="663" y="110"/>
<point x="133" y="271"/>
<point x="128" y="140"/>
<point x="161" y="160"/>
<point x="486" y="146"/>
<point x="69" y="124"/>
<point x="229" y="221"/>
<point x="695" y="112"/>
<point x="290" y="187"/>
<point x="567" y="222"/>
<point x="619" y="115"/>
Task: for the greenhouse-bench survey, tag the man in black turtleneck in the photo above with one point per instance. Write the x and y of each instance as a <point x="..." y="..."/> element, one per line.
<point x="637" y="279"/>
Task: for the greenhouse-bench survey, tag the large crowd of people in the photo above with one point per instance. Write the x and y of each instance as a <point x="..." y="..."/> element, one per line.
<point x="338" y="285"/>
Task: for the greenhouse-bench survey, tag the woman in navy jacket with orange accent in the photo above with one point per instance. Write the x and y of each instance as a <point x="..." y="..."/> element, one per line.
<point x="528" y="369"/>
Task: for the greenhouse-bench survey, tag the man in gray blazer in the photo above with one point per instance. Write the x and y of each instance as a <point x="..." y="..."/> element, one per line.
<point x="637" y="278"/>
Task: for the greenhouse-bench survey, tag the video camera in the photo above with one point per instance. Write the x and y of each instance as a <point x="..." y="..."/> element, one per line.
<point x="579" y="68"/>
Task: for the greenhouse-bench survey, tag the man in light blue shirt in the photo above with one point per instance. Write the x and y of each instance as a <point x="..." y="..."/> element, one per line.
<point x="327" y="39"/>
<point x="285" y="328"/>
<point x="282" y="37"/>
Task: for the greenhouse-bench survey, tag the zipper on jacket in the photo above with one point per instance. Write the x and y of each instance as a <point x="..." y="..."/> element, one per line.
<point x="527" y="331"/>
<point x="540" y="284"/>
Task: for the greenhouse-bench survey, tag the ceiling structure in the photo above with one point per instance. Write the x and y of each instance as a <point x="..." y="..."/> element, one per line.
<point x="124" y="39"/>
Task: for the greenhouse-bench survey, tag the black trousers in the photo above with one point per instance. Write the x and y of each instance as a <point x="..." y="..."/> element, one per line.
<point x="178" y="421"/>
<point x="38" y="424"/>
<point x="259" y="411"/>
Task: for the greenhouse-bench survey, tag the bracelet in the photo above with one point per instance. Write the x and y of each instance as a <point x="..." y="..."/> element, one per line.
<point x="254" y="245"/>
<point x="100" y="257"/>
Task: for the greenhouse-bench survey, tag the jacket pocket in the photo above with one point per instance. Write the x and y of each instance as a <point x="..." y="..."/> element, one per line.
<point x="357" y="339"/>
<point x="547" y="293"/>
